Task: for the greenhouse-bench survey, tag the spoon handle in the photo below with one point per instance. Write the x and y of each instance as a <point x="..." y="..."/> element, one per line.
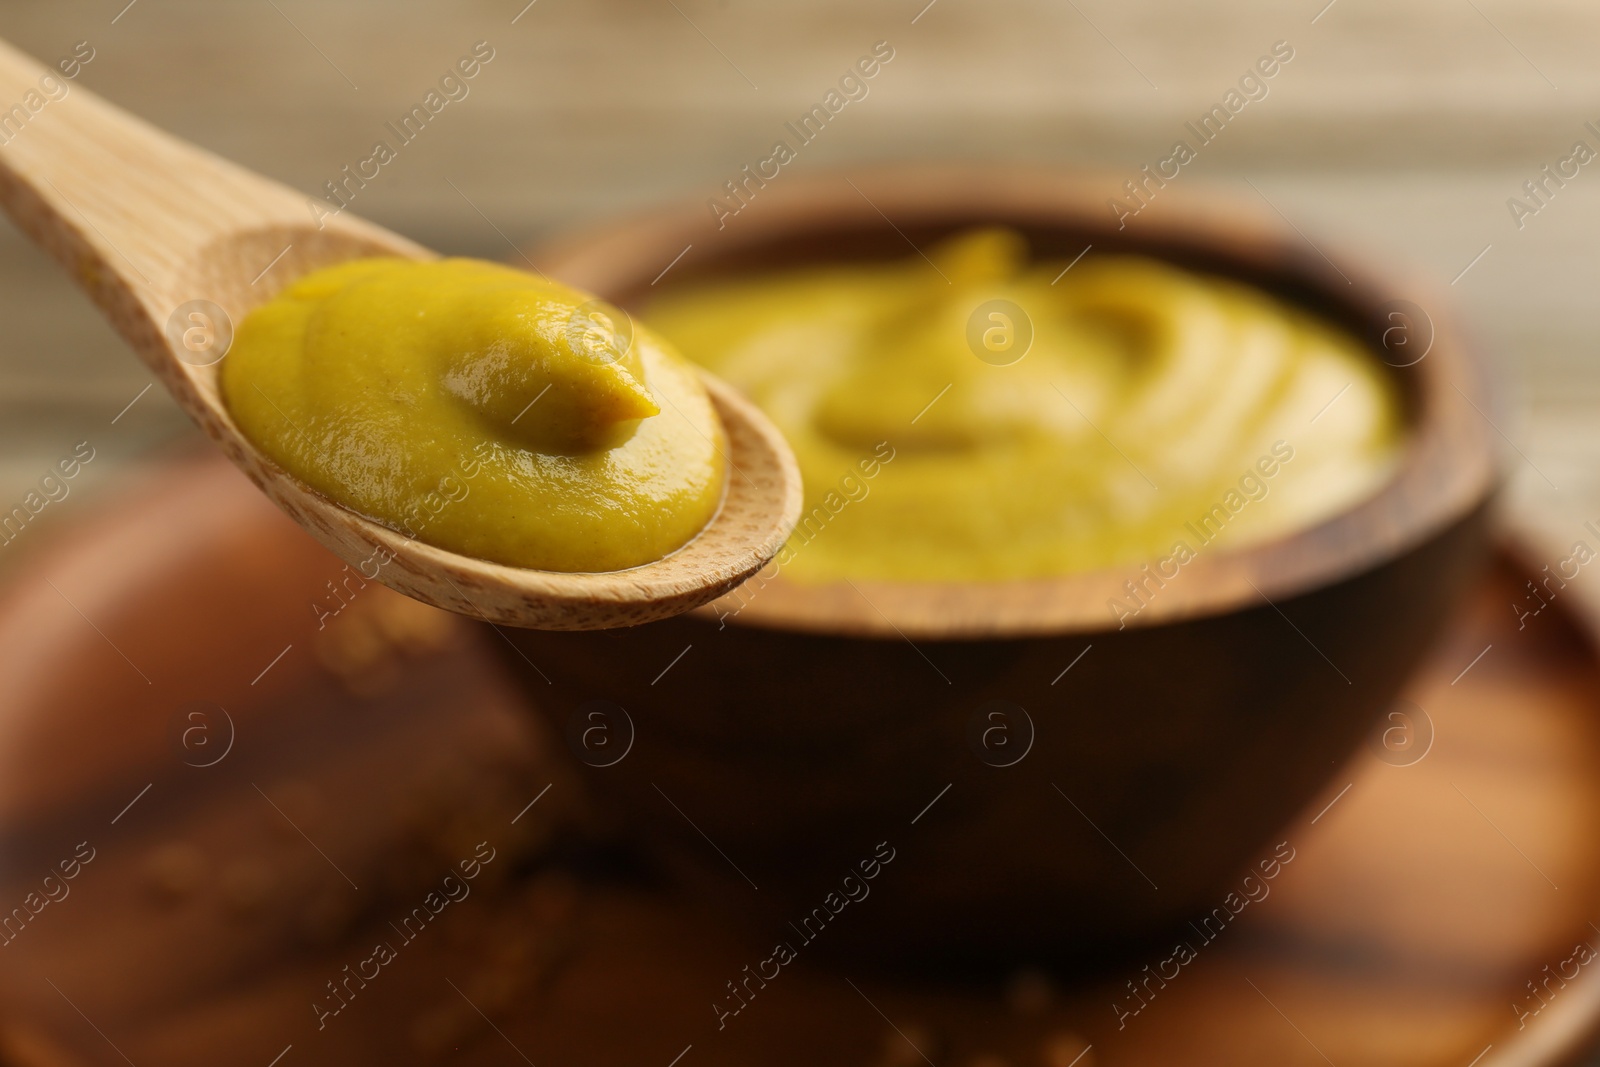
<point x="161" y="234"/>
<point x="125" y="208"/>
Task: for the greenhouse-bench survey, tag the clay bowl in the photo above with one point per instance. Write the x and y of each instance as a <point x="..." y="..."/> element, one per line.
<point x="774" y="739"/>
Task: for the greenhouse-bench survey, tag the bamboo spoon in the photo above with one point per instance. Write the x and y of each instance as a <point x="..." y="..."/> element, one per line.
<point x="175" y="245"/>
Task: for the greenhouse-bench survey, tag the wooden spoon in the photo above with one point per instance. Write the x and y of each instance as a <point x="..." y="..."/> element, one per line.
<point x="176" y="245"/>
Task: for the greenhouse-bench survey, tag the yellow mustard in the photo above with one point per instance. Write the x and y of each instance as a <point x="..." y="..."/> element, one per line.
<point x="972" y="416"/>
<point x="483" y="410"/>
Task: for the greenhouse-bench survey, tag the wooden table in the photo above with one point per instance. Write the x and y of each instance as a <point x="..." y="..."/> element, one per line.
<point x="1399" y="129"/>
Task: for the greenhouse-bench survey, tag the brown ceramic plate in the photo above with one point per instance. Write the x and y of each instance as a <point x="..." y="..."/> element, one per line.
<point x="1451" y="862"/>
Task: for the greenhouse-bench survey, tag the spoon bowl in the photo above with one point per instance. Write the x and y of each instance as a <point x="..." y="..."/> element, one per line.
<point x="175" y="246"/>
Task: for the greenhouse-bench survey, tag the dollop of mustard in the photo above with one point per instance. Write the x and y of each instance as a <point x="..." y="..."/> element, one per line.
<point x="483" y="410"/>
<point x="969" y="415"/>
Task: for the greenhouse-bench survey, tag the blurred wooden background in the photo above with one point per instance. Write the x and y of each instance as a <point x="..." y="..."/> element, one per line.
<point x="1400" y="128"/>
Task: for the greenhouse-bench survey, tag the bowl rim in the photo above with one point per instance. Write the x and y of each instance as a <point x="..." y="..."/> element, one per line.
<point x="1449" y="467"/>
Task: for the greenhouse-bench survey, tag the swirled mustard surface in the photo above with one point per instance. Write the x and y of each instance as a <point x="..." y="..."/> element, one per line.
<point x="483" y="410"/>
<point x="975" y="416"/>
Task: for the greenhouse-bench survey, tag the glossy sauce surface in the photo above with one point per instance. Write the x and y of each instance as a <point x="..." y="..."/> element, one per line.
<point x="481" y="409"/>
<point x="977" y="416"/>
